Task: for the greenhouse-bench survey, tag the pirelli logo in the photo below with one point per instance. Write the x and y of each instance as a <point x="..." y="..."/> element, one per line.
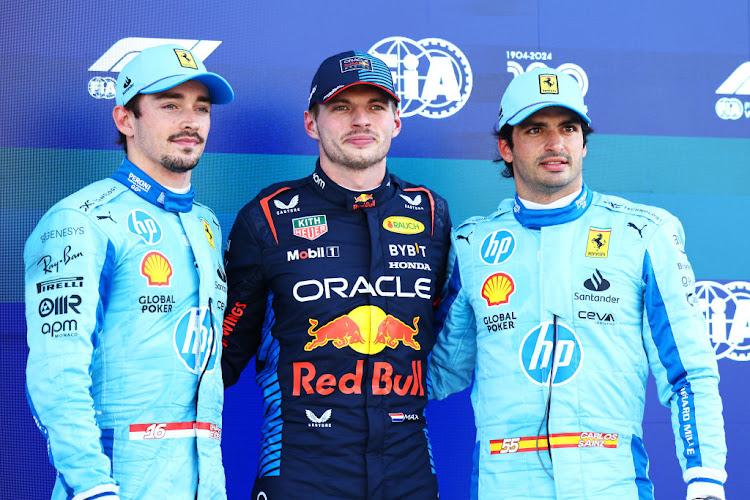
<point x="568" y="440"/>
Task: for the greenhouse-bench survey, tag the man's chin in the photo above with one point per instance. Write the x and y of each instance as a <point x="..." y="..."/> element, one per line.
<point x="179" y="165"/>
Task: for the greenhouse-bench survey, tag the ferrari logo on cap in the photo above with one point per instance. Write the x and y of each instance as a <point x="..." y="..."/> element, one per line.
<point x="548" y="84"/>
<point x="186" y="59"/>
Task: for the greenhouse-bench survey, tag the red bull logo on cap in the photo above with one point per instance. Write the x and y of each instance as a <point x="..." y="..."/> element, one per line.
<point x="366" y="329"/>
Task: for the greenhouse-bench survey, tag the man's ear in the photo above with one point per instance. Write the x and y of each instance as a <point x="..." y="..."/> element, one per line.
<point x="123" y="120"/>
<point x="310" y="126"/>
<point x="505" y="151"/>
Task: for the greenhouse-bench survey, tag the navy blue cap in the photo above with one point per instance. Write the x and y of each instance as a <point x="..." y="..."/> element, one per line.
<point x="349" y="68"/>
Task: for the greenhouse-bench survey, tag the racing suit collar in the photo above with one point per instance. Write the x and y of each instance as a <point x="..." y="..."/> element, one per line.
<point x="535" y="219"/>
<point x="351" y="200"/>
<point x="151" y="191"/>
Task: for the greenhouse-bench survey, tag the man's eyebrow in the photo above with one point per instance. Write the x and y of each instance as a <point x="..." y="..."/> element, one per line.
<point x="178" y="95"/>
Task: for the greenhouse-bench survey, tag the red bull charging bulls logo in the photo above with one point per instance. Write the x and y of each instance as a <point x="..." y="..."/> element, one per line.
<point x="366" y="329"/>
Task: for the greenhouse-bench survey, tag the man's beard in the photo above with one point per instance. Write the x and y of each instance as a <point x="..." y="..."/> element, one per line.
<point x="351" y="162"/>
<point x="177" y="164"/>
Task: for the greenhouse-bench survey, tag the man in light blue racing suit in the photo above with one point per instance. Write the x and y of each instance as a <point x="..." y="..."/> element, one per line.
<point x="562" y="300"/>
<point x="125" y="291"/>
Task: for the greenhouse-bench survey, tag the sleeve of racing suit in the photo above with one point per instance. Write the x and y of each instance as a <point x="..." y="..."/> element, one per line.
<point x="683" y="362"/>
<point x="246" y="298"/>
<point x="68" y="270"/>
<point x="454" y="355"/>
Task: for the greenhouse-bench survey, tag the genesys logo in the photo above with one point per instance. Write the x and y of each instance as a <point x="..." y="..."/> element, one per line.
<point x="433" y="78"/>
<point x="726" y="309"/>
<point x="125" y="49"/>
<point x="737" y="84"/>
<point x="522" y="61"/>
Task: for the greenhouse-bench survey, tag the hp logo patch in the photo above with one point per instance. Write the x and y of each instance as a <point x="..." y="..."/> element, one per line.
<point x="536" y="354"/>
<point x="142" y="224"/>
<point x="195" y="340"/>
<point x="497" y="247"/>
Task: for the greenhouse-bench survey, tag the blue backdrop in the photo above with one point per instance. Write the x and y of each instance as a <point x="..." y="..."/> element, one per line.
<point x="667" y="85"/>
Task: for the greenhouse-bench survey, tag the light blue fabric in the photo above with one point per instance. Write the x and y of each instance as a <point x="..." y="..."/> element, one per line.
<point x="611" y="277"/>
<point x="124" y="301"/>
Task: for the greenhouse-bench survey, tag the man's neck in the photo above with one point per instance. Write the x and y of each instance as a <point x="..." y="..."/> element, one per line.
<point x="167" y="178"/>
<point x="355" y="180"/>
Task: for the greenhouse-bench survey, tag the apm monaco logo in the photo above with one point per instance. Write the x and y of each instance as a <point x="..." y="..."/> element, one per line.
<point x="737" y="84"/>
<point x="726" y="309"/>
<point x="125" y="49"/>
<point x="433" y="77"/>
<point x="516" y="59"/>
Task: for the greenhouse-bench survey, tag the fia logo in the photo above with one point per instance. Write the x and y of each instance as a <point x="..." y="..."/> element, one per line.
<point x="432" y="76"/>
<point x="726" y="309"/>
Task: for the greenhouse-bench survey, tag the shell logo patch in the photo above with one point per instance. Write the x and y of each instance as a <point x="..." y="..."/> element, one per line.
<point x="497" y="289"/>
<point x="598" y="242"/>
<point x="156" y="269"/>
<point x="186" y="59"/>
<point x="209" y="233"/>
<point x="548" y="84"/>
<point x="403" y="225"/>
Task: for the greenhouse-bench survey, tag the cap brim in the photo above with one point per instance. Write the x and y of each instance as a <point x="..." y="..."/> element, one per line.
<point x="530" y="110"/>
<point x="218" y="88"/>
<point x="362" y="83"/>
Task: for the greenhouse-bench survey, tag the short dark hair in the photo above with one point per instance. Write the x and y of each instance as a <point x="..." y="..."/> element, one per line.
<point x="315" y="107"/>
<point x="134" y="106"/>
<point x="506" y="133"/>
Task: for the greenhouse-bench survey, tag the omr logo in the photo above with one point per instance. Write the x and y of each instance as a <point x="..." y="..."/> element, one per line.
<point x="536" y="352"/>
<point x="497" y="247"/>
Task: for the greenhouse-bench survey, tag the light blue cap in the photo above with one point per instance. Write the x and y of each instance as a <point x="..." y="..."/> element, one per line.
<point x="537" y="89"/>
<point x="160" y="68"/>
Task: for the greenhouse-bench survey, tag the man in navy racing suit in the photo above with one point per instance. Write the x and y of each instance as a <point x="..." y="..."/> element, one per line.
<point x="562" y="300"/>
<point x="333" y="281"/>
<point x="125" y="291"/>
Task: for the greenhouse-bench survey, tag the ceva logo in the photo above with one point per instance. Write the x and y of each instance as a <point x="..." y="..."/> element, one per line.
<point x="125" y="49"/>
